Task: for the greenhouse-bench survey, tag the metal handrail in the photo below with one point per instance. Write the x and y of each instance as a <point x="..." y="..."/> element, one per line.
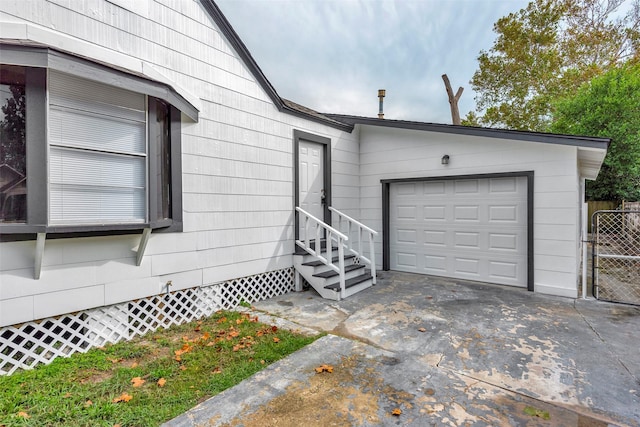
<point x="331" y="235"/>
<point x="360" y="229"/>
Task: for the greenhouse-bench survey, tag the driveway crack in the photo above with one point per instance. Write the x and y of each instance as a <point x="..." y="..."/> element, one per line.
<point x="613" y="354"/>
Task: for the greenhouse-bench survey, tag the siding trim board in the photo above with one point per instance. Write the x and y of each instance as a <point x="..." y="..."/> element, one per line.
<point x="386" y="183"/>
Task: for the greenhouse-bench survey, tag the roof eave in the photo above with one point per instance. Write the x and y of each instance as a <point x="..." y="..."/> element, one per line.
<point x="579" y="141"/>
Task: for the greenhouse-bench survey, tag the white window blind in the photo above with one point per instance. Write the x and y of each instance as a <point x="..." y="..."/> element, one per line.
<point x="97" y="152"/>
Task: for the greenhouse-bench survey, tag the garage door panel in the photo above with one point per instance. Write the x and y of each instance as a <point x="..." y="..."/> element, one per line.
<point x="466" y="186"/>
<point x="435" y="237"/>
<point x="407" y="260"/>
<point x="406" y="189"/>
<point x="502" y="269"/>
<point x="435" y="264"/>
<point x="466" y="240"/>
<point x="503" y="213"/>
<point x="434" y="213"/>
<point x="433" y="188"/>
<point x="407" y="236"/>
<point x="467" y="266"/>
<point x="503" y="241"/>
<point x="470" y="229"/>
<point x="466" y="213"/>
<point x="407" y="212"/>
<point x="502" y="185"/>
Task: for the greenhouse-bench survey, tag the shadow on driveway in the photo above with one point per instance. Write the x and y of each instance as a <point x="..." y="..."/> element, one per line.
<point x="442" y="352"/>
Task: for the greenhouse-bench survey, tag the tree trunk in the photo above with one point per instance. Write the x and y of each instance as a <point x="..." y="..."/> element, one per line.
<point x="453" y="100"/>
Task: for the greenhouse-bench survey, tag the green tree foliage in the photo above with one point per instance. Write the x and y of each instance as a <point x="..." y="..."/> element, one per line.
<point x="608" y="106"/>
<point x="12" y="129"/>
<point x="545" y="52"/>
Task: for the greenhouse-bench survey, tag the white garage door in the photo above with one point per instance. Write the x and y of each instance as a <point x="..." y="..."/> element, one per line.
<point x="473" y="229"/>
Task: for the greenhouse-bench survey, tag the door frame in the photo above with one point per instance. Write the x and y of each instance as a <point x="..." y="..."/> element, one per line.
<point x="386" y="244"/>
<point x="299" y="135"/>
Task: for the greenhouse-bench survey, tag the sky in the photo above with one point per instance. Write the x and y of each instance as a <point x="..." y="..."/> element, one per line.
<point x="334" y="55"/>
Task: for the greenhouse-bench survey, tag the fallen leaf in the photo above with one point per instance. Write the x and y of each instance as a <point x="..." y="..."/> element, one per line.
<point x="205" y="336"/>
<point x="274" y="329"/>
<point x="66" y="395"/>
<point x="239" y="321"/>
<point x="137" y="381"/>
<point x="396" y="412"/>
<point x="422" y="330"/>
<point x="535" y="412"/>
<point x="217" y="371"/>
<point x="134" y="365"/>
<point x="262" y="362"/>
<point x="124" y="397"/>
<point x="324" y="368"/>
<point x="117" y="425"/>
<point x="197" y="328"/>
<point x="88" y="403"/>
<point x="429" y="392"/>
<point x="183" y="368"/>
<point x="238" y="347"/>
<point x="23" y="415"/>
<point x="222" y="320"/>
<point x="276" y="339"/>
<point x="161" y="382"/>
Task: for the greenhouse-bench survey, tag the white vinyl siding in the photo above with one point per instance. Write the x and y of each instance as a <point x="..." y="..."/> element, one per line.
<point x="97" y="152"/>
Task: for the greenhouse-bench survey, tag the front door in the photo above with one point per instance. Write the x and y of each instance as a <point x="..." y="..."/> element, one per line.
<point x="311" y="180"/>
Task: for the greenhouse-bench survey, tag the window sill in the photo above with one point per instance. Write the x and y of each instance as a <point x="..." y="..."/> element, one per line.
<point x="22" y="232"/>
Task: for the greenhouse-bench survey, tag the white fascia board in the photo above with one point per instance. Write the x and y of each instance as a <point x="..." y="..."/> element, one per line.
<point x="73" y="46"/>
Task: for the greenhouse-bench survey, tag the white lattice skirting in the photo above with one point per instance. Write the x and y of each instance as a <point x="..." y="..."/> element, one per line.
<point x="29" y="344"/>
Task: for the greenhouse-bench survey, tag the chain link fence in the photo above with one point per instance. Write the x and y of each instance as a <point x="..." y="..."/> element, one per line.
<point x="616" y="255"/>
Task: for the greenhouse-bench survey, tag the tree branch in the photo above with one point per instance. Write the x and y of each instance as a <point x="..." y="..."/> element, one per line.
<point x="453" y="100"/>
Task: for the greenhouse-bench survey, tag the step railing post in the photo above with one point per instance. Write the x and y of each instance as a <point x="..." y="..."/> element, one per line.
<point x="359" y="248"/>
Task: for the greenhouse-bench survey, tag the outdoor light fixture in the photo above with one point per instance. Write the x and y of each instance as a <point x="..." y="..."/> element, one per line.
<point x="445" y="159"/>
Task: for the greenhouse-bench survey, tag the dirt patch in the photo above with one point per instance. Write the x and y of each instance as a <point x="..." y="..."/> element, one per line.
<point x="353" y="394"/>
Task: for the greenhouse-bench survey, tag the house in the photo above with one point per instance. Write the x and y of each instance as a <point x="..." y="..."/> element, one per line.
<point x="166" y="179"/>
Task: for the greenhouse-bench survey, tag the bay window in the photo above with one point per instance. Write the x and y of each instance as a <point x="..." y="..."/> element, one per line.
<point x="85" y="148"/>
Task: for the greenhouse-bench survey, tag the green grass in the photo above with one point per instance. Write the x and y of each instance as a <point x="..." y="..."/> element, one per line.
<point x="197" y="360"/>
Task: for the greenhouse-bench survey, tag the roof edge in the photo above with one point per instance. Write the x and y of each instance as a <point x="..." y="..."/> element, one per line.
<point x="548" y="138"/>
<point x="225" y="26"/>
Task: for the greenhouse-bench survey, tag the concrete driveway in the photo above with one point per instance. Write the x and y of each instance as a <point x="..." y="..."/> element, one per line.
<point x="444" y="353"/>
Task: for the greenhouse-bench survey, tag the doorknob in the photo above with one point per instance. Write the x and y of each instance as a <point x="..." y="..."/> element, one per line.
<point x="323" y="197"/>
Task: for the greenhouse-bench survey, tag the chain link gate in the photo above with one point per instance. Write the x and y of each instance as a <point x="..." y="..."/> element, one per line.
<point x="616" y="256"/>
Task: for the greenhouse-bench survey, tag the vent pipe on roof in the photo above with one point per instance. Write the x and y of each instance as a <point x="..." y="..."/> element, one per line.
<point x="381" y="93"/>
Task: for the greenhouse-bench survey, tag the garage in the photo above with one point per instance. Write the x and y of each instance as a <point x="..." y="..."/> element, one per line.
<point x="471" y="227"/>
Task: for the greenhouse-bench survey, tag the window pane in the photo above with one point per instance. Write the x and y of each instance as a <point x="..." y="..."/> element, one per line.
<point x="13" y="165"/>
<point x="163" y="159"/>
<point x="90" y="187"/>
<point x="97" y="153"/>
